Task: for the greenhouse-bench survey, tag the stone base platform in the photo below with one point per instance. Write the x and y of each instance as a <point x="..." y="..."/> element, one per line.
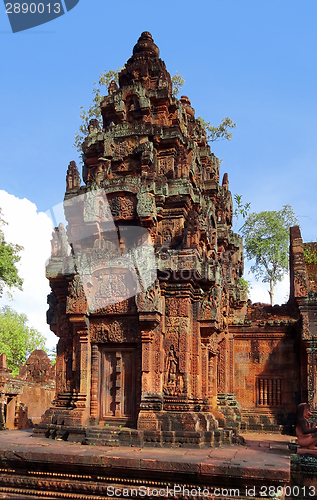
<point x="32" y="468"/>
<point x="125" y="436"/>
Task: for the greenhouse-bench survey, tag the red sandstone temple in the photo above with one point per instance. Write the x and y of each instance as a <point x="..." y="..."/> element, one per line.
<point x="158" y="343"/>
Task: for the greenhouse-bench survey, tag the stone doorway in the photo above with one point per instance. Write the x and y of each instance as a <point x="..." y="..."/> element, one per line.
<point x="118" y="403"/>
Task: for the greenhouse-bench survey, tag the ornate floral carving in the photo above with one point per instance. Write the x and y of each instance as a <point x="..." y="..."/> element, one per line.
<point x="123" y="330"/>
<point x="146" y="206"/>
<point x="122" y="207"/>
<point x="150" y="300"/>
<point x="178" y="307"/>
<point x="76" y="299"/>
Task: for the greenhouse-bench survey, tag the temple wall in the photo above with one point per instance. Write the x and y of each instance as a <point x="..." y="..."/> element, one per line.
<point x="37" y="398"/>
<point x="267" y="369"/>
<point x="24" y="398"/>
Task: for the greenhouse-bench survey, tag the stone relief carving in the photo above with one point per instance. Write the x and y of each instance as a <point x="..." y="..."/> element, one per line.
<point x="150" y="300"/>
<point x="123" y="330"/>
<point x="76" y="299"/>
<point x="173" y="379"/>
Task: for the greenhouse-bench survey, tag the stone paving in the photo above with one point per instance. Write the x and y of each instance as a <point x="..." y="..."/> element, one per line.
<point x="264" y="457"/>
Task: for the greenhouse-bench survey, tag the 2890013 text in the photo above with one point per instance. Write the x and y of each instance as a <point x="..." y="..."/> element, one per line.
<point x="33" y="8"/>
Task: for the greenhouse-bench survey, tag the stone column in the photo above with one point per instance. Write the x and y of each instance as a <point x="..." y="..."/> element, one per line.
<point x="205" y="378"/>
<point x="151" y="402"/>
<point x="82" y="398"/>
<point x="311" y="389"/>
<point x="2" y="417"/>
<point x="95" y="364"/>
<point x="84" y="384"/>
<point x="118" y="386"/>
<point x="60" y="368"/>
<point x="231" y="366"/>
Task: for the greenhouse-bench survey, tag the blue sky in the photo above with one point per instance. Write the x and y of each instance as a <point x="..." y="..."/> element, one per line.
<point x="252" y="61"/>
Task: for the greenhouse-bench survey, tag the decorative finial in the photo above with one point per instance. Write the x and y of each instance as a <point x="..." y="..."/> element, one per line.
<point x="146" y="45"/>
<point x="225" y="181"/>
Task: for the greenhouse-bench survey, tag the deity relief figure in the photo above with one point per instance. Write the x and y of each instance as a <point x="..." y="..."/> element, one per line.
<point x="173" y="382"/>
<point x="207" y="310"/>
<point x="171" y="365"/>
<point x="191" y="233"/>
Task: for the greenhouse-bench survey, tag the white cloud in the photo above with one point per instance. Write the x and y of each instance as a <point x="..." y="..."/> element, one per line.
<point x="259" y="291"/>
<point x="33" y="231"/>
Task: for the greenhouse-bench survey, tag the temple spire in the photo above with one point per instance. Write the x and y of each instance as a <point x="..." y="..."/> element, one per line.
<point x="145" y="66"/>
<point x="146" y="46"/>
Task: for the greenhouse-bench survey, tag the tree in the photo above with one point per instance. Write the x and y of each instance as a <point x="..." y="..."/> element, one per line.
<point x="219" y="133"/>
<point x="240" y="209"/>
<point x="177" y="82"/>
<point x="266" y="239"/>
<point x="17" y="339"/>
<point x="94" y="108"/>
<point x="8" y="259"/>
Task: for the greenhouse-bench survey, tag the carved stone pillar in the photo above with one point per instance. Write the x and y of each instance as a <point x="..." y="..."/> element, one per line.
<point x="118" y="385"/>
<point x="95" y="363"/>
<point x="311" y="389"/>
<point x="60" y="368"/>
<point x="17" y="412"/>
<point x="205" y="380"/>
<point x="146" y="362"/>
<point x="231" y="366"/>
<point x="84" y="384"/>
<point x="2" y="415"/>
<point x="81" y="400"/>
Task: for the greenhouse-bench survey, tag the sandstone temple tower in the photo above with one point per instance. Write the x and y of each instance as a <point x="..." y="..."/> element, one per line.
<point x="146" y="275"/>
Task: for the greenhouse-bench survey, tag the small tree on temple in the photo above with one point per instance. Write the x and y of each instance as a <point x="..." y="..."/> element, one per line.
<point x="213" y="133"/>
<point x="266" y="239"/>
<point x="99" y="91"/>
<point x="219" y="133"/>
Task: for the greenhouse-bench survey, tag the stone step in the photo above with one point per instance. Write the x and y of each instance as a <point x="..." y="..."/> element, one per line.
<point x="102" y="442"/>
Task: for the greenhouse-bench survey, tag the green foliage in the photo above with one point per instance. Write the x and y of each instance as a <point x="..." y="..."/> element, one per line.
<point x="94" y="108"/>
<point x="310" y="253"/>
<point x="52" y="354"/>
<point x="8" y="259"/>
<point x="240" y="209"/>
<point x="246" y="284"/>
<point x="99" y="91"/>
<point x="219" y="133"/>
<point x="266" y="239"/>
<point x="177" y="82"/>
<point x="17" y="339"/>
